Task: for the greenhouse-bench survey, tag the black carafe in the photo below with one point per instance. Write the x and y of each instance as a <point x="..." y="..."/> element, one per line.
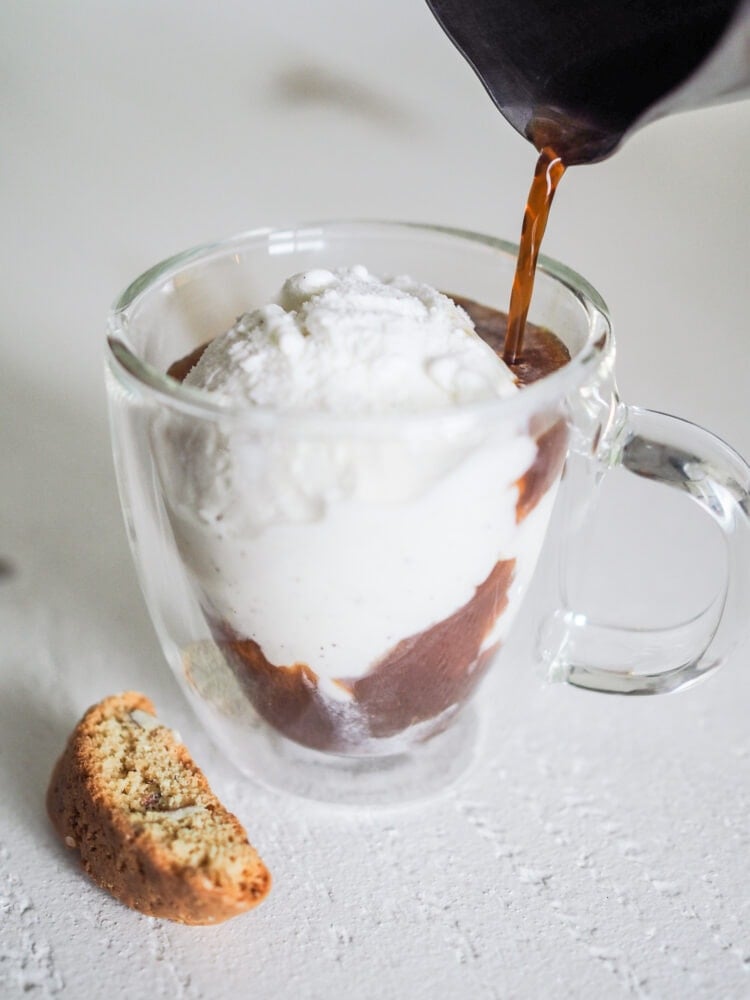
<point x="578" y="75"/>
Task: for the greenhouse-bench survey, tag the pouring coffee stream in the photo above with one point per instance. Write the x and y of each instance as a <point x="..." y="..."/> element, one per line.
<point x="576" y="78"/>
<point x="547" y="176"/>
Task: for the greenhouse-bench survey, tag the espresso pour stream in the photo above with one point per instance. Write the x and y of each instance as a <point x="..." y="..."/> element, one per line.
<point x="549" y="171"/>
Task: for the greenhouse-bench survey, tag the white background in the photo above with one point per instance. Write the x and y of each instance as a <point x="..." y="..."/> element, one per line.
<point x="600" y="846"/>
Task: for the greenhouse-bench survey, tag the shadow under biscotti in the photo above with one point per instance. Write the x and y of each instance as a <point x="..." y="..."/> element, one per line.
<point x="35" y="730"/>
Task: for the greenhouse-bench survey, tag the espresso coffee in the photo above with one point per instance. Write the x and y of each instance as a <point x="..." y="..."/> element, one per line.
<point x="547" y="176"/>
<point x="424" y="677"/>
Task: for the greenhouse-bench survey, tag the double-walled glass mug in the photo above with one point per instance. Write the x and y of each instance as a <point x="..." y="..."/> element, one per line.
<point x="330" y="590"/>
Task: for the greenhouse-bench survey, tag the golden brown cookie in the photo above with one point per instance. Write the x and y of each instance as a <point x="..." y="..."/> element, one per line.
<point x="128" y="797"/>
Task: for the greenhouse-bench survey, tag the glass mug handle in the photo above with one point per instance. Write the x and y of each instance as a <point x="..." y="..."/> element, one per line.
<point x="619" y="660"/>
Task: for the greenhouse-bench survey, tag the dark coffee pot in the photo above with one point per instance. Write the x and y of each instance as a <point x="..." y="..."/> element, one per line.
<point x="578" y="75"/>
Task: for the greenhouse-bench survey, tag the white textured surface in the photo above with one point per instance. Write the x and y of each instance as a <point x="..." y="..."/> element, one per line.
<point x="599" y="847"/>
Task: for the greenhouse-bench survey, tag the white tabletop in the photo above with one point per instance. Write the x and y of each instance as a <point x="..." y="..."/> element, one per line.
<point x="599" y="847"/>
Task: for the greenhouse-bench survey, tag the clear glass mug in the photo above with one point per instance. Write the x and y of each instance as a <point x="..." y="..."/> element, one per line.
<point x="329" y="591"/>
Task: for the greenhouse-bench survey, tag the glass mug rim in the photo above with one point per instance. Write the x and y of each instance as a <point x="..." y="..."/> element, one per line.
<point x="134" y="372"/>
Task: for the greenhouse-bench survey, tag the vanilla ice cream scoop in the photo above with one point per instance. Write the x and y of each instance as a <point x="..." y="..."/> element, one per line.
<point x="328" y="542"/>
<point x="346" y="342"/>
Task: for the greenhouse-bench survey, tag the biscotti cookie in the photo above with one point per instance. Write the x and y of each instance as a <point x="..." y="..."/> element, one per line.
<point x="127" y="796"/>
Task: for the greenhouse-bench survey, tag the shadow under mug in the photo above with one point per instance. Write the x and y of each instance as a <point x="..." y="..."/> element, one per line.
<point x="330" y="591"/>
